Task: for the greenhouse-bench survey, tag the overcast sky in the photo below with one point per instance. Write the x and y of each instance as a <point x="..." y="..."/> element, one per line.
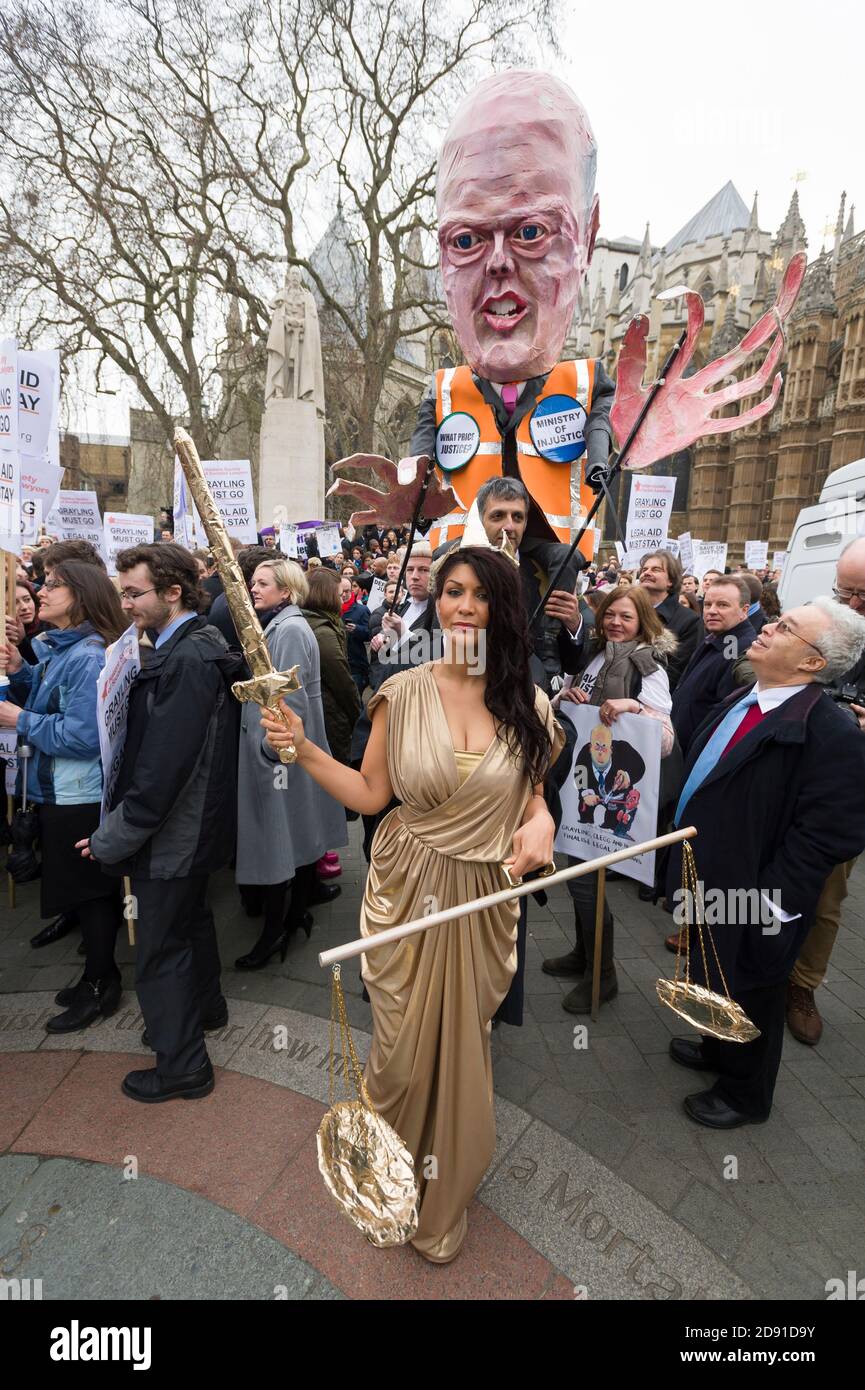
<point x="684" y="95"/>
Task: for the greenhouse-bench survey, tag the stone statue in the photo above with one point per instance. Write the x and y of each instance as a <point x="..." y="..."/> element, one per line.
<point x="294" y="368"/>
<point x="291" y="451"/>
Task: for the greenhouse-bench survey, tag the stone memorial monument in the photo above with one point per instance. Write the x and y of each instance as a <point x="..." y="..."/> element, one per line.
<point x="291" y="470"/>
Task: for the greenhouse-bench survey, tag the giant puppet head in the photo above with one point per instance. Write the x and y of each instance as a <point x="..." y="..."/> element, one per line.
<point x="518" y="217"/>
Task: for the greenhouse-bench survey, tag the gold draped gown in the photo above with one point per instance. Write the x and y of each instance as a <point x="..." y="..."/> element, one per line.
<point x="433" y="995"/>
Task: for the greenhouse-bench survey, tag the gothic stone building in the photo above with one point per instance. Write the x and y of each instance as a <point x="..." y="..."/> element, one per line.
<point x="751" y="484"/>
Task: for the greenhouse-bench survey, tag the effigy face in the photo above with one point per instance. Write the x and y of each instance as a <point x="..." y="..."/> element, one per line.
<point x="517" y="221"/>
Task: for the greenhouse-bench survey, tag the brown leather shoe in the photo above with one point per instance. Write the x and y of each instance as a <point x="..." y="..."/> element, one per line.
<point x="803" y="1020"/>
<point x="672" y="941"/>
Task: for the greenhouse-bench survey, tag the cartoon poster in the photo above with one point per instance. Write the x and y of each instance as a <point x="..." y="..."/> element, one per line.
<point x="610" y="797"/>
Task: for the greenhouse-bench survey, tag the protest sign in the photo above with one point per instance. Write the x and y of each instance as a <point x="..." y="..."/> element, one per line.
<point x="76" y="518"/>
<point x="329" y="543"/>
<point x="9" y="754"/>
<point x="610" y="796"/>
<point x="122" y="529"/>
<point x="113" y="684"/>
<point x="9" y="394"/>
<point x="184" y="525"/>
<point x="286" y="539"/>
<point x="39" y="405"/>
<point x="230" y="484"/>
<point x="650" y="507"/>
<point x="10" y="465"/>
<point x="307" y="538"/>
<point x="628" y="559"/>
<point x="756" y="555"/>
<point x="10" y="500"/>
<point x="375" y="598"/>
<point x="31" y="520"/>
<point x="41" y="479"/>
<point x="686" y="552"/>
<point x="709" y="555"/>
<point x="778" y="559"/>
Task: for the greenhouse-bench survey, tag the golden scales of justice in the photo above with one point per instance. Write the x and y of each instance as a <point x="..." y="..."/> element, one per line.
<point x="715" y="1014"/>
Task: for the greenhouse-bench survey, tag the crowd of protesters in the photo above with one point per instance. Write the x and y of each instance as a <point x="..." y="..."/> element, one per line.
<point x="762" y="719"/>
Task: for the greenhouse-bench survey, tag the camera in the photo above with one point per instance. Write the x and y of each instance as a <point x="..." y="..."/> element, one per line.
<point x="846" y="696"/>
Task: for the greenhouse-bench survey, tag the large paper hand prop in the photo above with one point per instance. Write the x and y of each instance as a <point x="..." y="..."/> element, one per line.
<point x="395" y="507"/>
<point x="684" y="408"/>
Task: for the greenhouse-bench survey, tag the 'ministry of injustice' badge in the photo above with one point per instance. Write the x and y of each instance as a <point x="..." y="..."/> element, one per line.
<point x="457" y="440"/>
<point x="556" y="428"/>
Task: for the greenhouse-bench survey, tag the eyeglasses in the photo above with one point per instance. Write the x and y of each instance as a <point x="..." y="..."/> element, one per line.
<point x="783" y="626"/>
<point x="845" y="595"/>
<point x="53" y="584"/>
<point x="129" y="595"/>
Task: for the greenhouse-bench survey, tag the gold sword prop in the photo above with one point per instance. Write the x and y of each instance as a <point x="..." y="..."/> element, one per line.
<point x="267" y="684"/>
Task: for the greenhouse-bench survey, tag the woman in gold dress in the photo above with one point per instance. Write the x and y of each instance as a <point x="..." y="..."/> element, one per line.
<point x="464" y="744"/>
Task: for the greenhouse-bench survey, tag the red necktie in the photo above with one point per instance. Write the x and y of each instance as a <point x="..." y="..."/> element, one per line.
<point x="510" y="392"/>
<point x="752" y="718"/>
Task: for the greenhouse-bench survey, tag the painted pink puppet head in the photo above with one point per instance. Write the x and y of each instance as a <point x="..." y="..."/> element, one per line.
<point x="518" y="217"/>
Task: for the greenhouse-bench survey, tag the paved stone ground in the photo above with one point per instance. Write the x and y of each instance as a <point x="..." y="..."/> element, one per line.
<point x="793" y="1218"/>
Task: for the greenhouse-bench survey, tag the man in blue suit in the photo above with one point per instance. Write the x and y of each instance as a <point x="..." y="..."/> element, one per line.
<point x="775" y="785"/>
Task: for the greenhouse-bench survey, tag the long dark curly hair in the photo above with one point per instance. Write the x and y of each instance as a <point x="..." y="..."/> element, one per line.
<point x="510" y="691"/>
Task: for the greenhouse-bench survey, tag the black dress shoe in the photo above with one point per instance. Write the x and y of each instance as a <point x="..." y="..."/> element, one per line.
<point x="150" y="1087"/>
<point x="323" y="893"/>
<point x="91" y="1000"/>
<point x="689" y="1053"/>
<point x="210" y="1025"/>
<point x="55" y="931"/>
<point x="708" y="1108"/>
<point x="646" y="892"/>
<point x="262" y="951"/>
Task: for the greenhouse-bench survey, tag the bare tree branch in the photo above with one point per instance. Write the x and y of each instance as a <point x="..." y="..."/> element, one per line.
<point x="162" y="159"/>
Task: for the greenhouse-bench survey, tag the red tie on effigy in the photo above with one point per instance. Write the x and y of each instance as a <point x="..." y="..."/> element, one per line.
<point x="510" y="392"/>
<point x="752" y="718"/>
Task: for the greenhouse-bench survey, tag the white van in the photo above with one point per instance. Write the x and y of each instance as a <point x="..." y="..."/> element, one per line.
<point x="820" y="534"/>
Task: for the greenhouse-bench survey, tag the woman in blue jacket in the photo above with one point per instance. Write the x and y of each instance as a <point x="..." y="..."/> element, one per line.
<point x="64" y="776"/>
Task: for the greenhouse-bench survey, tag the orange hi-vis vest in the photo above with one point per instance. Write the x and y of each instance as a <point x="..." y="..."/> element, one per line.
<point x="556" y="488"/>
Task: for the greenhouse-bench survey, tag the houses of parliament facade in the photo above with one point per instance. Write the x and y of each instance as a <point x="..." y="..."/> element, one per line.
<point x="751" y="484"/>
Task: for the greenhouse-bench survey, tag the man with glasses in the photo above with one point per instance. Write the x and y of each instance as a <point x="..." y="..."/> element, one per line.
<point x="803" y="1017"/>
<point x="775" y="785"/>
<point x="172" y="818"/>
